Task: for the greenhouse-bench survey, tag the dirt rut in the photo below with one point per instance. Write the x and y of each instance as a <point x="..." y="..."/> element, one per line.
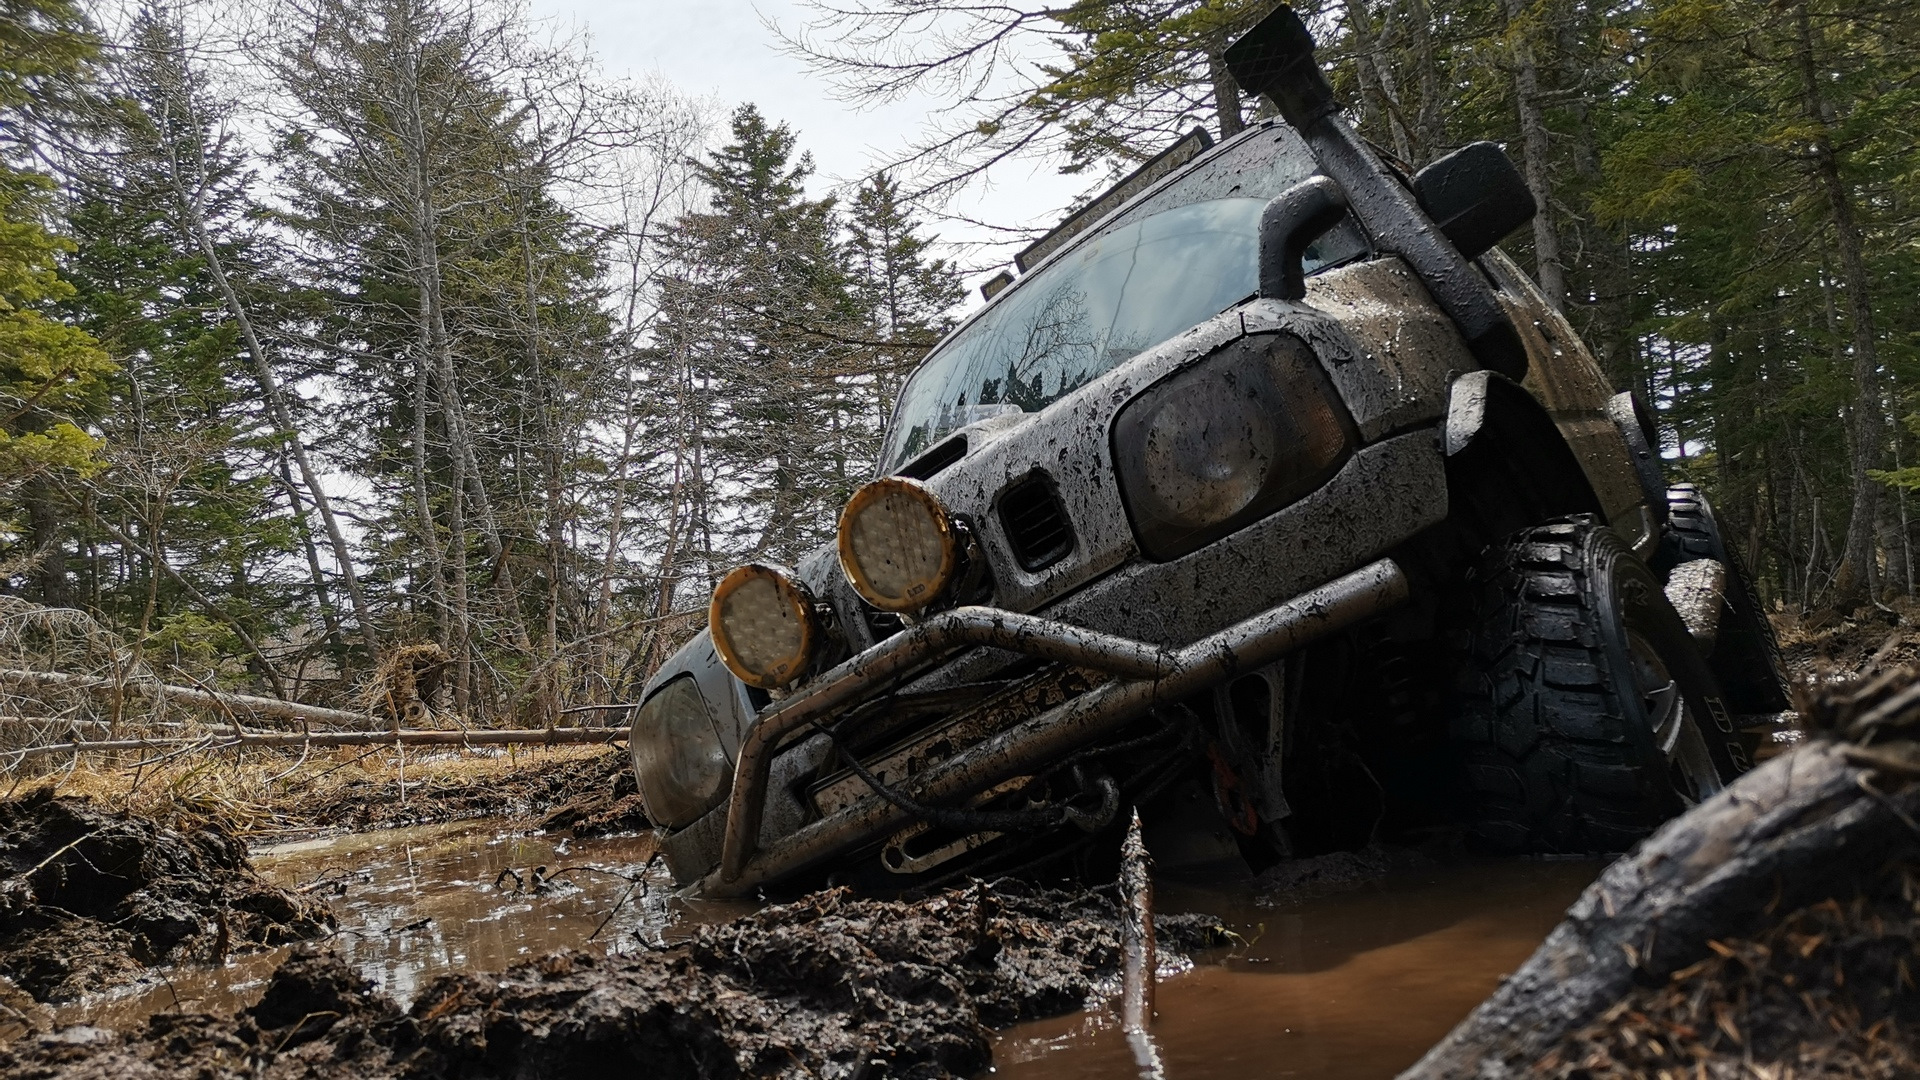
<point x="827" y="986"/>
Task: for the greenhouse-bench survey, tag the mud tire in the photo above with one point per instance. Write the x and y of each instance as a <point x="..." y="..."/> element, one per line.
<point x="1555" y="731"/>
<point x="1746" y="655"/>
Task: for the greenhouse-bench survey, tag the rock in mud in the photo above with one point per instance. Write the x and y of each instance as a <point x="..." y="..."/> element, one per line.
<point x="829" y="986"/>
<point x="1293" y="881"/>
<point x="90" y="898"/>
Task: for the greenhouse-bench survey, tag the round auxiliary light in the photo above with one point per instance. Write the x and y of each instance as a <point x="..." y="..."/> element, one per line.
<point x="763" y="625"/>
<point x="898" y="546"/>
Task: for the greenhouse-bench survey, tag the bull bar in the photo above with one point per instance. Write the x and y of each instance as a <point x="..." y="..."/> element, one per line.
<point x="1145" y="675"/>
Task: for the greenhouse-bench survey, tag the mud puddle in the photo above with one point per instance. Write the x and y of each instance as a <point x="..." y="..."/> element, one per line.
<point x="1354" y="985"/>
<point x="416" y="903"/>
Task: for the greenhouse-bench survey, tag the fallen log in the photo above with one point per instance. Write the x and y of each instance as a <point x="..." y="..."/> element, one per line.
<point x="217" y="701"/>
<point x="1817" y="823"/>
<point x="405" y="737"/>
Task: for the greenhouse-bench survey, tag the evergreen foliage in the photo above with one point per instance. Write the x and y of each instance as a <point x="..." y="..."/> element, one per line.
<point x="397" y="324"/>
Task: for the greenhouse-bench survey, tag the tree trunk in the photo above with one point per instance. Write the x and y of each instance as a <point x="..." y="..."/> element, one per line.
<point x="1226" y="92"/>
<point x="433" y="566"/>
<point x="188" y="196"/>
<point x="312" y="552"/>
<point x="1534" y="137"/>
<point x="1857" y="580"/>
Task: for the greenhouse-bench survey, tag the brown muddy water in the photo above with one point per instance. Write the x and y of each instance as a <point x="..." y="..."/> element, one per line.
<point x="1353" y="985"/>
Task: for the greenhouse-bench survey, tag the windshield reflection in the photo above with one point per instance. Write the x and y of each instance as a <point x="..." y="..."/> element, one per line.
<point x="1084" y="314"/>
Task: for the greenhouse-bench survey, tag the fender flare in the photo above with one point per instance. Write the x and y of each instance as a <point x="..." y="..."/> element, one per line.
<point x="1507" y="464"/>
<point x="1635" y="421"/>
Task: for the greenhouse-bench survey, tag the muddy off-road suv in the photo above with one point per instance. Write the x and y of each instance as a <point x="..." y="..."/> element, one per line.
<point x="1270" y="500"/>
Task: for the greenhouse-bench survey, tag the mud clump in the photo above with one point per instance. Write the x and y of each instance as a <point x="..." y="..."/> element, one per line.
<point x="827" y="986"/>
<point x="1294" y="881"/>
<point x="589" y="796"/>
<point x="91" y="899"/>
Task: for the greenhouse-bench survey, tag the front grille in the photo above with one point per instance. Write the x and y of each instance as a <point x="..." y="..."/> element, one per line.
<point x="1036" y="524"/>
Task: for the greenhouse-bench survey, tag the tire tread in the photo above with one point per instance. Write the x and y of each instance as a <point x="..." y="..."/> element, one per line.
<point x="1550" y="764"/>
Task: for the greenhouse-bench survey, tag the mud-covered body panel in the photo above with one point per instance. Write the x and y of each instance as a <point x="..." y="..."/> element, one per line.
<point x="1390" y="354"/>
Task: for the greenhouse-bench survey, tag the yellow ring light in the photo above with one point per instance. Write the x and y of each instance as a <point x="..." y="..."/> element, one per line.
<point x="763" y="625"/>
<point x="898" y="546"/>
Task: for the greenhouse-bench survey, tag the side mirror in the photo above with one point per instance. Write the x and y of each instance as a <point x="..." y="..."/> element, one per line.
<point x="1476" y="196"/>
<point x="1288" y="226"/>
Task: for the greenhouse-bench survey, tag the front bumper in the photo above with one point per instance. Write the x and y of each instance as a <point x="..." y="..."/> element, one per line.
<point x="1144" y="675"/>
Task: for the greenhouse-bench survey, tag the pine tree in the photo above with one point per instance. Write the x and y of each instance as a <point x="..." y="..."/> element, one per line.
<point x="759" y="312"/>
<point x="907" y="295"/>
<point x="52" y="372"/>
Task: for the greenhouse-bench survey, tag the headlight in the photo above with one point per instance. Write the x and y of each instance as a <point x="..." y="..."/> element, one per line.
<point x="677" y="755"/>
<point x="897" y="544"/>
<point x="763" y="624"/>
<point x="1233" y="438"/>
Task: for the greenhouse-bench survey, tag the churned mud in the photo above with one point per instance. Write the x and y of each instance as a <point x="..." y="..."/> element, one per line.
<point x="1293" y="881"/>
<point x="828" y="986"/>
<point x="587" y="796"/>
<point x="90" y="898"/>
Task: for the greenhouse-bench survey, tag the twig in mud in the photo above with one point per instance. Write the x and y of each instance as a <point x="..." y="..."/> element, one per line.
<point x="585" y="869"/>
<point x="1137" y="944"/>
<point x="62" y="850"/>
<point x="175" y="994"/>
<point x="327" y="877"/>
<point x="291" y="769"/>
<point x="640" y="883"/>
<point x="299" y="1027"/>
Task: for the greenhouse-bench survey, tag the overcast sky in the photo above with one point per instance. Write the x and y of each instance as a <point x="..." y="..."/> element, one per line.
<point x="724" y="48"/>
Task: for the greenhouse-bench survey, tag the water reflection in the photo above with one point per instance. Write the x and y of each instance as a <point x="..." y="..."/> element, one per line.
<point x="1356" y="985"/>
<point x="414" y="904"/>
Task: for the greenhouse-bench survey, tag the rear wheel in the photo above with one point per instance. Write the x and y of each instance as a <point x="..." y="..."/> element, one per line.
<point x="1746" y="656"/>
<point x="1588" y="715"/>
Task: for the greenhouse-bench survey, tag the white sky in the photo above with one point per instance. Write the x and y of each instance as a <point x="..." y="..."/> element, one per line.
<point x="724" y="48"/>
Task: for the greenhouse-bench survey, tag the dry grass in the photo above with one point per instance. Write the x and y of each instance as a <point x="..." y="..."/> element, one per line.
<point x="263" y="792"/>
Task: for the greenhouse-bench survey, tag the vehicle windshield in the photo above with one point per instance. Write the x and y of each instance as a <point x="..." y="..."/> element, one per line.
<point x="1086" y="313"/>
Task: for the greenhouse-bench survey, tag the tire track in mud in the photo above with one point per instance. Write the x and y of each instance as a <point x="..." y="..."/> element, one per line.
<point x="830" y="985"/>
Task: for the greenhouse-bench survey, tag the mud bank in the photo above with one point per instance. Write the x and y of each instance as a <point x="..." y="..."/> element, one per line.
<point x="827" y="986"/>
<point x="91" y="899"/>
<point x="587" y="796"/>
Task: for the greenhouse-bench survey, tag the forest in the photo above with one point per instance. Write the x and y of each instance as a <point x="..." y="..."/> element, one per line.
<point x="331" y="327"/>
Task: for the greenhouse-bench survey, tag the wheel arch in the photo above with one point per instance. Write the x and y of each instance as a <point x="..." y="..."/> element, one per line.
<point x="1508" y="466"/>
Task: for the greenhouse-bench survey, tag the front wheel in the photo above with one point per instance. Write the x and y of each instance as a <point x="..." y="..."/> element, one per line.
<point x="1588" y="715"/>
